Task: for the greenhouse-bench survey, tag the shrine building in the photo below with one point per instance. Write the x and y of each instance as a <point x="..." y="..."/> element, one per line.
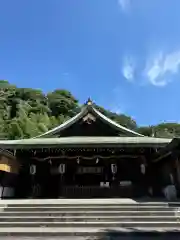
<point x="89" y="156"/>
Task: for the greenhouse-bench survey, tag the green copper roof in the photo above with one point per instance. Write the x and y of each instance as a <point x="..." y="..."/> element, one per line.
<point x="84" y="111"/>
<point x="85" y="142"/>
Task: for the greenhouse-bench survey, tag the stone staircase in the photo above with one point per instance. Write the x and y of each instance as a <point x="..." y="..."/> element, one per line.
<point x="87" y="218"/>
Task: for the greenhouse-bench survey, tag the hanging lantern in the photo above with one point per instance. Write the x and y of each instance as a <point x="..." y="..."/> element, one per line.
<point x="62" y="168"/>
<point x="143" y="169"/>
<point x="114" y="168"/>
<point x="97" y="160"/>
<point x="78" y="161"/>
<point x="32" y="169"/>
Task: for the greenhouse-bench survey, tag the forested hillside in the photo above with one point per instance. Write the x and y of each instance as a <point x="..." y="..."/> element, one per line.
<point x="26" y="112"/>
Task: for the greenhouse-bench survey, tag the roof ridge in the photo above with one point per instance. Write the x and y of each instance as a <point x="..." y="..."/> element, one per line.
<point x="115" y="123"/>
<point x="89" y="105"/>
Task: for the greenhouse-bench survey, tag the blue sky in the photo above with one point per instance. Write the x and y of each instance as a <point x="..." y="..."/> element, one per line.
<point x="124" y="54"/>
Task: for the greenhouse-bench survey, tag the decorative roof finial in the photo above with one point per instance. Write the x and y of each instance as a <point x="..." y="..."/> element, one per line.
<point x="89" y="102"/>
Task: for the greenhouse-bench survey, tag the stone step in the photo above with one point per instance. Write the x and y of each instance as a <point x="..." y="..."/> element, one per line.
<point x="89" y="233"/>
<point x="79" y="204"/>
<point x="92" y="224"/>
<point x="89" y="201"/>
<point x="65" y="219"/>
<point x="63" y="204"/>
<point x="70" y="208"/>
<point x="87" y="213"/>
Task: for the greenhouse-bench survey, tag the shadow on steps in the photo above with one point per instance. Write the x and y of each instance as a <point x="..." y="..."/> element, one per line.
<point x="124" y="234"/>
<point x="132" y="234"/>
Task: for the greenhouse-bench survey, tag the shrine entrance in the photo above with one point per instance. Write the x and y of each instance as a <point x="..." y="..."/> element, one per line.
<point x="88" y="175"/>
<point x="100" y="176"/>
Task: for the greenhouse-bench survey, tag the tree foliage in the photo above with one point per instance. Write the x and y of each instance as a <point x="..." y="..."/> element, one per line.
<point x="26" y="112"/>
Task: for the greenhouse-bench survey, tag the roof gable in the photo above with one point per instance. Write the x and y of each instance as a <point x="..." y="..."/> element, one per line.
<point x="89" y="114"/>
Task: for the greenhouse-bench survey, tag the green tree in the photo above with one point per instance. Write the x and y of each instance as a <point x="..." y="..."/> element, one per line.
<point x="122" y="119"/>
<point x="62" y="102"/>
<point x="26" y="112"/>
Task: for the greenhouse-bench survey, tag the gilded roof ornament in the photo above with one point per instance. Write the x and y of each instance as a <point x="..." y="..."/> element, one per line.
<point x="89" y="102"/>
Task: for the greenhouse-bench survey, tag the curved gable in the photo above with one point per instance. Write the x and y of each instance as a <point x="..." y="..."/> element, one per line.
<point x="90" y="122"/>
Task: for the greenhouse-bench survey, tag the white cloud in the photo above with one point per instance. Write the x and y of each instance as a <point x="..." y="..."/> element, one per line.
<point x="159" y="69"/>
<point x="128" y="68"/>
<point x="118" y="102"/>
<point x="116" y="109"/>
<point x="124" y="5"/>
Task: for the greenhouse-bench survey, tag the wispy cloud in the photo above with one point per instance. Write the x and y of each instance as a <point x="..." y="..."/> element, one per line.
<point x="128" y="68"/>
<point x="116" y="109"/>
<point x="124" y="5"/>
<point x="118" y="103"/>
<point x="159" y="69"/>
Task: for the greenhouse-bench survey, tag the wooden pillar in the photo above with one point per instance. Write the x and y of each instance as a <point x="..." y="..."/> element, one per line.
<point x="106" y="175"/>
<point x="177" y="165"/>
<point x="176" y="174"/>
<point x="61" y="172"/>
<point x="141" y="176"/>
<point x="34" y="181"/>
<point x="152" y="179"/>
